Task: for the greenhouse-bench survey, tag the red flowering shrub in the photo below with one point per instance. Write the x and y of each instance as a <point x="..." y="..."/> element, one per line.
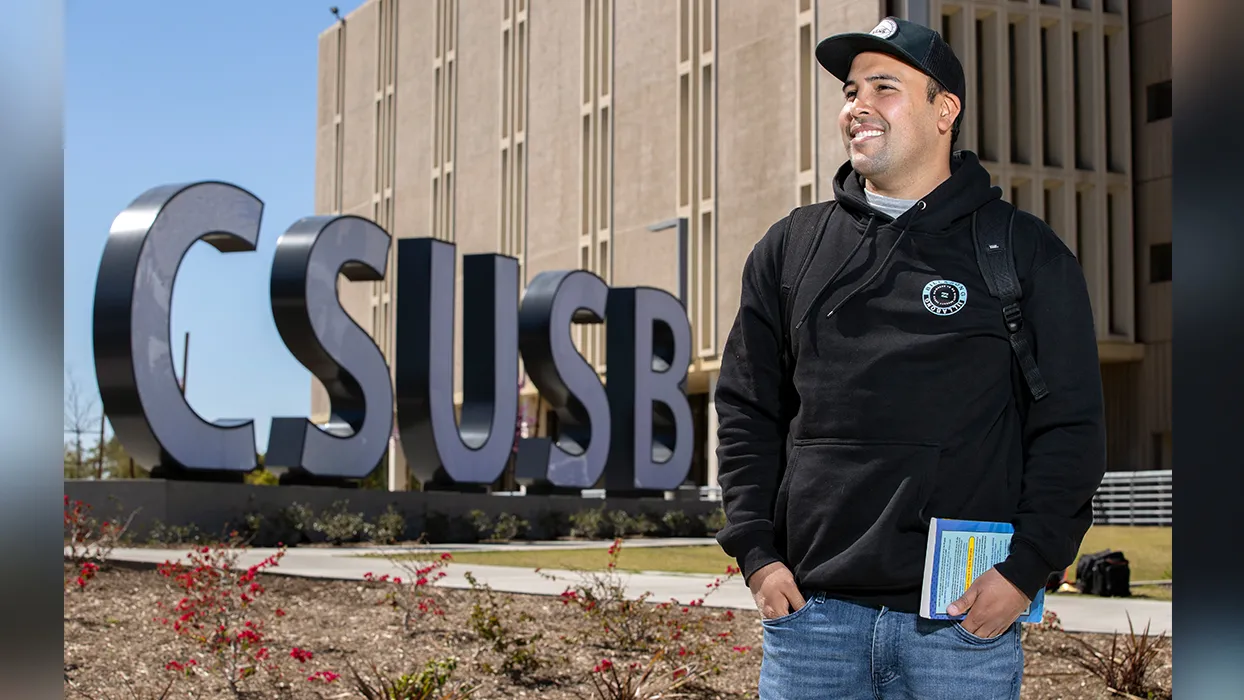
<point x="676" y="632"/>
<point x="412" y="594"/>
<point x="217" y="612"/>
<point x="88" y="542"/>
<point x="636" y="681"/>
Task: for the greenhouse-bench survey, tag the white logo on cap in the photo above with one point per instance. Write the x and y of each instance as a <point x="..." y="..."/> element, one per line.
<point x="886" y="29"/>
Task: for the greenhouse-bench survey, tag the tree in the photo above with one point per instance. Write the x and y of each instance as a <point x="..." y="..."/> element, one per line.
<point x="116" y="461"/>
<point x="79" y="421"/>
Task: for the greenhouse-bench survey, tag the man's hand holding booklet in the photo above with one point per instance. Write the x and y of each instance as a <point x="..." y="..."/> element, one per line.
<point x="959" y="552"/>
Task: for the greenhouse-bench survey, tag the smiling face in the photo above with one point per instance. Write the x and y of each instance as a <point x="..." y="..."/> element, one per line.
<point x="889" y="127"/>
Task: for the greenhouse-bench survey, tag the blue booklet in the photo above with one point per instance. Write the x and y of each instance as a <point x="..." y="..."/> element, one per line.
<point x="957" y="552"/>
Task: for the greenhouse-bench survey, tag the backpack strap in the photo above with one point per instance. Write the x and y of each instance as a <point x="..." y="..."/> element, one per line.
<point x="992" y="233"/>
<point x="797" y="249"/>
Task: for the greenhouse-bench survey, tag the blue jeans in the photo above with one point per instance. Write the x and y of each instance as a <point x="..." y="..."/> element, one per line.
<point x="834" y="649"/>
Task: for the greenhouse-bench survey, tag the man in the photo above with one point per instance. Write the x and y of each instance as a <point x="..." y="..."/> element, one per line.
<point x="902" y="401"/>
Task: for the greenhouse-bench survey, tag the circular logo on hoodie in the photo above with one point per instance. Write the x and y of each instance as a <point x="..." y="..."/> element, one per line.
<point x="944" y="297"/>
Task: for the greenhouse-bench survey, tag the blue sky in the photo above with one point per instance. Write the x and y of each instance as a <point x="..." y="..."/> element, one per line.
<point x="160" y="91"/>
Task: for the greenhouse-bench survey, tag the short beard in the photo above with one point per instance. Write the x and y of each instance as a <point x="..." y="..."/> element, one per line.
<point x="871" y="167"/>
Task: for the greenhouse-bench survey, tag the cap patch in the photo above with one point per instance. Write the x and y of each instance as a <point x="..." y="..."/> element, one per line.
<point x="885" y="29"/>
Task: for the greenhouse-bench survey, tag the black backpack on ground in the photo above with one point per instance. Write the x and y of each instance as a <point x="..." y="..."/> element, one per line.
<point x="1105" y="573"/>
<point x="991" y="232"/>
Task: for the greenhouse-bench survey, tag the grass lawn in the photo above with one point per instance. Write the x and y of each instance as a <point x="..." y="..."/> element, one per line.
<point x="1148" y="550"/>
<point x="707" y="559"/>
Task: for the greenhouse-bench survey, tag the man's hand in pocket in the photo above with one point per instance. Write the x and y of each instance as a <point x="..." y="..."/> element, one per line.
<point x="774" y="590"/>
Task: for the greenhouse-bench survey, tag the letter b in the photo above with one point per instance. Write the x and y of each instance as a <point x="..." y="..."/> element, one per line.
<point x="649" y="348"/>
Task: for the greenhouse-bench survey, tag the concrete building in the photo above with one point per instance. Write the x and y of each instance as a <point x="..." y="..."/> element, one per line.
<point x="561" y="131"/>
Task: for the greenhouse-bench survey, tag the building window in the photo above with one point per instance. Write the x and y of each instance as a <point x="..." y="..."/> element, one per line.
<point x="1160" y="263"/>
<point x="1160" y="100"/>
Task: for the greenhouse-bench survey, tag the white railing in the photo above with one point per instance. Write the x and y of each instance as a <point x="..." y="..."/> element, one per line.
<point x="1135" y="498"/>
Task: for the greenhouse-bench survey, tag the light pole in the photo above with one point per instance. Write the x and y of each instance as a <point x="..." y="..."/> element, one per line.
<point x="679" y="223"/>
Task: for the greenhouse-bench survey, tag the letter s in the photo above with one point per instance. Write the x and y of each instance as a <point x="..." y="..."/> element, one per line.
<point x="574" y="458"/>
<point x="319" y="332"/>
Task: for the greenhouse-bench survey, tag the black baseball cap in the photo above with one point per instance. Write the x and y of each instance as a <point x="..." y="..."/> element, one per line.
<point x="915" y="44"/>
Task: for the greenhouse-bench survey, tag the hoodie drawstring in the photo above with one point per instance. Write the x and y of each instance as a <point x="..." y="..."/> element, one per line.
<point x="867" y="230"/>
<point x="919" y="208"/>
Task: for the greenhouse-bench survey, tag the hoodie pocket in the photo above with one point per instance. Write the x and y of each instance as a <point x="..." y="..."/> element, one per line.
<point x="850" y="512"/>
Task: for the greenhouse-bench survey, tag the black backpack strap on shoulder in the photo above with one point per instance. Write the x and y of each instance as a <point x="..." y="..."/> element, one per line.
<point x="797" y="250"/>
<point x="992" y="233"/>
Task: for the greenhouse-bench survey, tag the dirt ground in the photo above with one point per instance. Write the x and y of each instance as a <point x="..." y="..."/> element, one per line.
<point x="115" y="648"/>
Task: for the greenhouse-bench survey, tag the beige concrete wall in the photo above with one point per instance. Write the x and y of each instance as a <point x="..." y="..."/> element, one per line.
<point x="645" y="116"/>
<point x="477" y="165"/>
<point x="359" y="143"/>
<point x="416" y="27"/>
<point x="553" y="136"/>
<point x="325" y="127"/>
<point x="1151" y="63"/>
<point x="756" y="137"/>
<point x="1153" y="141"/>
<point x="1153" y="225"/>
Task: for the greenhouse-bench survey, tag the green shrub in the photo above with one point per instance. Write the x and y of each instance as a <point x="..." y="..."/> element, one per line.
<point x="621" y="524"/>
<point x="509" y="527"/>
<point x="390" y="527"/>
<point x="481" y="524"/>
<point x="295" y="522"/>
<point x="338" y="525"/>
<point x="177" y="535"/>
<point x="715" y="521"/>
<point x="677" y="523"/>
<point x="647" y="525"/>
<point x="489" y="617"/>
<point x="551" y="524"/>
<point x="589" y="523"/>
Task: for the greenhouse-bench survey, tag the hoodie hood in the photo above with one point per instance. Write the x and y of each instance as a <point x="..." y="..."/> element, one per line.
<point x="966" y="190"/>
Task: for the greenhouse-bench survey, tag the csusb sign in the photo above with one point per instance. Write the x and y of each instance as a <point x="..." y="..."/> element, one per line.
<point x="635" y="430"/>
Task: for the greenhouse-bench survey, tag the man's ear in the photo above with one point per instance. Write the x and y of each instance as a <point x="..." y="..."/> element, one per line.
<point x="948" y="107"/>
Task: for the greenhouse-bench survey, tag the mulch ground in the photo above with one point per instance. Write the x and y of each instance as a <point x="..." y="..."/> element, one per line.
<point x="114" y="649"/>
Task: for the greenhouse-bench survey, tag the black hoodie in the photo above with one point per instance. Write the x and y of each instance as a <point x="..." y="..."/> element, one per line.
<point x="906" y="405"/>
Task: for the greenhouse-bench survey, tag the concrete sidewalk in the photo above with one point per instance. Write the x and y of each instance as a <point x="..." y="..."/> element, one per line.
<point x="1078" y="614"/>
